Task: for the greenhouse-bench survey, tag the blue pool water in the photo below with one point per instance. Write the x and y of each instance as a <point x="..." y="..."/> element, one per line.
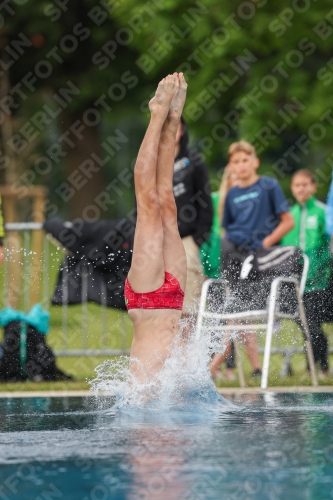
<point x="272" y="446"/>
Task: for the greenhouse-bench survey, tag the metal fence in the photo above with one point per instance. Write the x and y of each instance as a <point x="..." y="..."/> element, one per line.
<point x="27" y="281"/>
<point x="32" y="279"/>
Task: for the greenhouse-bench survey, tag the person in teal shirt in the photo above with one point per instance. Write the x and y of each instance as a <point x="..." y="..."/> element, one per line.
<point x="210" y="251"/>
<point x="309" y="234"/>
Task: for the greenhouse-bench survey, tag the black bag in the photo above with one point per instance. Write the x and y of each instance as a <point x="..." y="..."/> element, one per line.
<point x="40" y="363"/>
<point x="259" y="264"/>
<point x="80" y="280"/>
<point x="102" y="252"/>
<point x="10" y="356"/>
<point x="250" y="274"/>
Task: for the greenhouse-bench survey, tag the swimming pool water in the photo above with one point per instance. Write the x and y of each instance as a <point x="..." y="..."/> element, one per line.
<point x="272" y="446"/>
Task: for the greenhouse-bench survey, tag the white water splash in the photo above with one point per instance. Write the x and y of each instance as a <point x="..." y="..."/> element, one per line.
<point x="183" y="383"/>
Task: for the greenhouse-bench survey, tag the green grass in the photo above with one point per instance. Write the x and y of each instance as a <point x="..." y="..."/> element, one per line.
<point x="84" y="331"/>
<point x="118" y="335"/>
<point x="79" y="385"/>
<point x="115" y="324"/>
<point x="289" y="336"/>
<point x="82" y="368"/>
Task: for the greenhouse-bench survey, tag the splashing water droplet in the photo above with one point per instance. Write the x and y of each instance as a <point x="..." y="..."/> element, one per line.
<point x="184" y="383"/>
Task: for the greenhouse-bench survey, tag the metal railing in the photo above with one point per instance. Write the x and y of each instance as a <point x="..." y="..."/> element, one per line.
<point x="19" y="250"/>
<point x="25" y="230"/>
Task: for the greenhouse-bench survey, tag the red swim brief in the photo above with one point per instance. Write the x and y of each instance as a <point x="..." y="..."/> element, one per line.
<point x="168" y="296"/>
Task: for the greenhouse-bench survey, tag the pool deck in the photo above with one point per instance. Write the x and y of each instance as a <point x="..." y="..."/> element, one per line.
<point x="221" y="390"/>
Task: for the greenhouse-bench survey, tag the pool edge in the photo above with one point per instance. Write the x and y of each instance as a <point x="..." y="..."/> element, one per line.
<point x="221" y="390"/>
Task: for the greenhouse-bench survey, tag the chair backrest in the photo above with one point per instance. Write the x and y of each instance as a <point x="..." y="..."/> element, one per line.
<point x="260" y="264"/>
<point x="306" y="264"/>
<point x="252" y="277"/>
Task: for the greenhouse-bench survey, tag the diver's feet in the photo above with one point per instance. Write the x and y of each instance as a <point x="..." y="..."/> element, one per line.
<point x="165" y="92"/>
<point x="177" y="103"/>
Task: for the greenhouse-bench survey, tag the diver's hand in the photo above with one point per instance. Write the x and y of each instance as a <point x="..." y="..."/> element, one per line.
<point x="266" y="242"/>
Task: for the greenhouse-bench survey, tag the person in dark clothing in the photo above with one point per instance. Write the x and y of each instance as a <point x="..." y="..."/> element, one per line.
<point x="194" y="212"/>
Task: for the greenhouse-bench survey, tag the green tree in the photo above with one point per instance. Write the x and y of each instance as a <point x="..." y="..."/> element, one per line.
<point x="256" y="69"/>
<point x="66" y="75"/>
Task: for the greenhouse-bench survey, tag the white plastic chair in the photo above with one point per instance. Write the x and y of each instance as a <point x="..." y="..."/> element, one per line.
<point x="266" y="317"/>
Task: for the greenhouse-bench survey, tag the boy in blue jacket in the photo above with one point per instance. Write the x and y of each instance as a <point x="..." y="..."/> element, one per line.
<point x="256" y="215"/>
